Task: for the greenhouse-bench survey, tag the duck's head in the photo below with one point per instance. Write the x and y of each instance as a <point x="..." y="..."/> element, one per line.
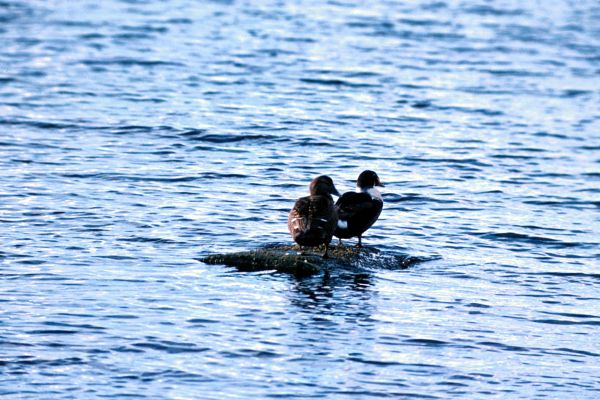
<point x="323" y="185"/>
<point x="368" y="179"/>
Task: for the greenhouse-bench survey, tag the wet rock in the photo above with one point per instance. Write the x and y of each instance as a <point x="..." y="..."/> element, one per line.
<point x="290" y="259"/>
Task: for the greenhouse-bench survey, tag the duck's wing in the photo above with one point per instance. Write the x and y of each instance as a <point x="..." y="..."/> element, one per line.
<point x="351" y="204"/>
<point x="299" y="216"/>
<point x="322" y="213"/>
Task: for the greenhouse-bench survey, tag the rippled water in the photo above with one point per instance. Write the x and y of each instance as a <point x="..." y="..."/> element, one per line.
<point x="137" y="136"/>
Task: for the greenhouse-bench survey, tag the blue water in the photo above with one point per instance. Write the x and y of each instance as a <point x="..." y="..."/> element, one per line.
<point x="137" y="137"/>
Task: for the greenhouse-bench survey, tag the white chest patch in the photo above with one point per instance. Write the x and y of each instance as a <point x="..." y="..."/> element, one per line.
<point x="372" y="191"/>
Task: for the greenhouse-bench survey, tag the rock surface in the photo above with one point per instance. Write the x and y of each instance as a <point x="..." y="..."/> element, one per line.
<point x="290" y="259"/>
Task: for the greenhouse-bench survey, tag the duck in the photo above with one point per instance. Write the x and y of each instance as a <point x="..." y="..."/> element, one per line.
<point x="358" y="211"/>
<point x="313" y="219"/>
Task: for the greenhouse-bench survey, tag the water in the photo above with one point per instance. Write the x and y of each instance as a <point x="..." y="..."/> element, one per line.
<point x="136" y="137"/>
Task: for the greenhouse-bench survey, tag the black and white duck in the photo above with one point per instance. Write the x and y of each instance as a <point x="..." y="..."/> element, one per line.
<point x="358" y="211"/>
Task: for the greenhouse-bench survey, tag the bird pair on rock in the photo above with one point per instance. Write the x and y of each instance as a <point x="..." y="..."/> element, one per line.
<point x="315" y="219"/>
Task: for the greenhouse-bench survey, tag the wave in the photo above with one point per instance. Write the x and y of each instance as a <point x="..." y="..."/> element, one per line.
<point x="512" y="237"/>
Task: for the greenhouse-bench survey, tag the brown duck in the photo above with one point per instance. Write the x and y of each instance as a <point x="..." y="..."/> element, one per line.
<point x="313" y="218"/>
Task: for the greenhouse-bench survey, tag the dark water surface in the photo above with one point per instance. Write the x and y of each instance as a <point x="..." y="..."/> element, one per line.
<point x="138" y="136"/>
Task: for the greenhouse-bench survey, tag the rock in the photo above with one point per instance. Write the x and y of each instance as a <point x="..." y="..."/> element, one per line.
<point x="289" y="259"/>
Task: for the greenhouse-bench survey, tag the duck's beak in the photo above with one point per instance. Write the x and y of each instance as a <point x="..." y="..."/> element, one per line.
<point x="335" y="191"/>
<point x="378" y="183"/>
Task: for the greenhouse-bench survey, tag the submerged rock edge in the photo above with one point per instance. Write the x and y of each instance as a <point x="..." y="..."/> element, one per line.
<point x="290" y="259"/>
